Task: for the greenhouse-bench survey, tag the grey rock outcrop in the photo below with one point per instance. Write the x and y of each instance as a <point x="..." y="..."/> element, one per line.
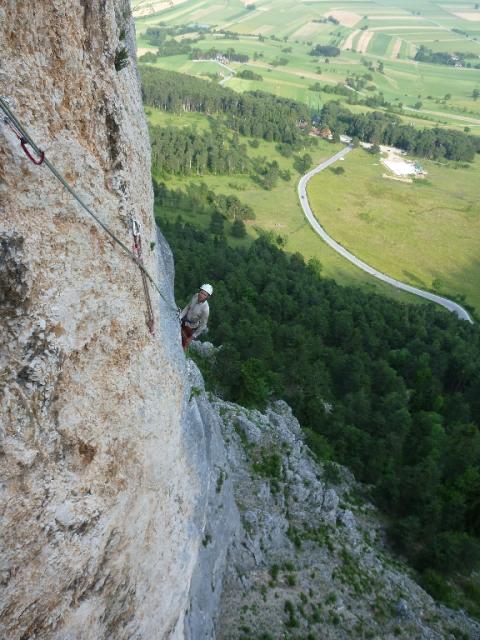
<point x="217" y="517"/>
<point x="99" y="486"/>
<point x="307" y="559"/>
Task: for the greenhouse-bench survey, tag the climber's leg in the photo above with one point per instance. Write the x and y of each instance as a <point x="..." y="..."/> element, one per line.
<point x="186" y="336"/>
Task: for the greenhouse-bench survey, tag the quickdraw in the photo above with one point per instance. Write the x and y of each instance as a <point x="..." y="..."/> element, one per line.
<point x="23" y="143"/>
<point x="137" y="252"/>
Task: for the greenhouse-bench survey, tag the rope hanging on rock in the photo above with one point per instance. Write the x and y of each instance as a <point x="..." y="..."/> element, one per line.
<point x="12" y="122"/>
<point x="137" y="250"/>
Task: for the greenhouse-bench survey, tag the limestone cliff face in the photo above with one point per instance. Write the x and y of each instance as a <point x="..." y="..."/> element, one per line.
<point x="99" y="498"/>
<point x="304" y="554"/>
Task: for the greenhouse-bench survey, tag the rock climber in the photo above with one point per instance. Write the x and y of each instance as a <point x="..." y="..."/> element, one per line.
<point x="194" y="317"/>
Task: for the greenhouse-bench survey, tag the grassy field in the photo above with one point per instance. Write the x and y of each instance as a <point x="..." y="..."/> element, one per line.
<point x="426" y="233"/>
<point x="434" y="241"/>
<point x="456" y="26"/>
<point x="277" y="211"/>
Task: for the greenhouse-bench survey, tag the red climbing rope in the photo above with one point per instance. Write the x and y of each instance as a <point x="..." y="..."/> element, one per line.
<point x="137" y="251"/>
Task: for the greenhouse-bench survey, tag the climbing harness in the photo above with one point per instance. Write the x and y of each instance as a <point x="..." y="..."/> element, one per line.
<point x="136" y="255"/>
<point x="137" y="250"/>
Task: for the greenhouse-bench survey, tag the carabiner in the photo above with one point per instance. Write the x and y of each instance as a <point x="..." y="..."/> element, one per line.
<point x="135" y="227"/>
<point x="24" y="142"/>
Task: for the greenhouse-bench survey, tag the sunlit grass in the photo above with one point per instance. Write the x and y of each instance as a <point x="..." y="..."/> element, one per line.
<point x="426" y="233"/>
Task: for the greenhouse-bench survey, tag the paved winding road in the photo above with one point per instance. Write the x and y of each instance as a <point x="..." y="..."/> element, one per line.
<point x="302" y="194"/>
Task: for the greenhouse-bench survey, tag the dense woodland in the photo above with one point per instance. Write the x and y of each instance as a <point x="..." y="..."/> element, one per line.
<point x="373" y="100"/>
<point x="187" y="151"/>
<point x="390" y="390"/>
<point x="211" y="54"/>
<point x="383" y="128"/>
<point x="444" y="57"/>
<point x="202" y="200"/>
<point x="253" y="113"/>
<point x="325" y="50"/>
<point x="263" y="115"/>
<point x="157" y="36"/>
<point x="246" y="74"/>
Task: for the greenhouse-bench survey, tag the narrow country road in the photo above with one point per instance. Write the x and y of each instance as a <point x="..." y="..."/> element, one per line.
<point x="302" y="194"/>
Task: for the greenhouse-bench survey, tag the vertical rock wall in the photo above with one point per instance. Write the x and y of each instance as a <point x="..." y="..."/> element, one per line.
<point x="97" y="493"/>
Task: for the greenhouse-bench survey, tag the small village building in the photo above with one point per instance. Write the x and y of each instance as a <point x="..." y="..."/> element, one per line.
<point x="321" y="132"/>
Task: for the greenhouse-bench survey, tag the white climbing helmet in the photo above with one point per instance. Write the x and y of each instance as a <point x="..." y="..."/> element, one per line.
<point x="207" y="288"/>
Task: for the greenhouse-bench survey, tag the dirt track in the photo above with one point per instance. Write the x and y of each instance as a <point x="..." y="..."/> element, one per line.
<point x="396" y="49"/>
<point x="364" y="41"/>
<point x="349" y="41"/>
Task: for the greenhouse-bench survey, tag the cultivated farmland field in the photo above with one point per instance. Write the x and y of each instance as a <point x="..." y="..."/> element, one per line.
<point x="378" y="39"/>
<point x="367" y="35"/>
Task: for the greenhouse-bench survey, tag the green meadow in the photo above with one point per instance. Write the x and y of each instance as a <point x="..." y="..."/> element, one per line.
<point x="426" y="233"/>
<point x="277" y="211"/>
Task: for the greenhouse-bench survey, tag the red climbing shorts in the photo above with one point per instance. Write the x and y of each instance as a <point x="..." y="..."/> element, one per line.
<point x="186" y="336"/>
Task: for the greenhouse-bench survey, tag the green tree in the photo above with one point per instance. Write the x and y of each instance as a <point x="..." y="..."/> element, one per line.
<point x="303" y="163"/>
<point x="255" y="382"/>
<point x="217" y="223"/>
<point x="238" y="229"/>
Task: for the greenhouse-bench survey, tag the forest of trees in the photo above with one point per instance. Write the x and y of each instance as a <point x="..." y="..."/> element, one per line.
<point x="163" y="37"/>
<point x="253" y="113"/>
<point x="157" y="36"/>
<point x="388" y="389"/>
<point x="328" y="51"/>
<point x="168" y="48"/>
<point x="187" y="151"/>
<point x="247" y="74"/>
<point x="353" y="97"/>
<point x="202" y="200"/>
<point x="260" y="114"/>
<point x="383" y="128"/>
<point x="444" y="57"/>
<point x="339" y="89"/>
